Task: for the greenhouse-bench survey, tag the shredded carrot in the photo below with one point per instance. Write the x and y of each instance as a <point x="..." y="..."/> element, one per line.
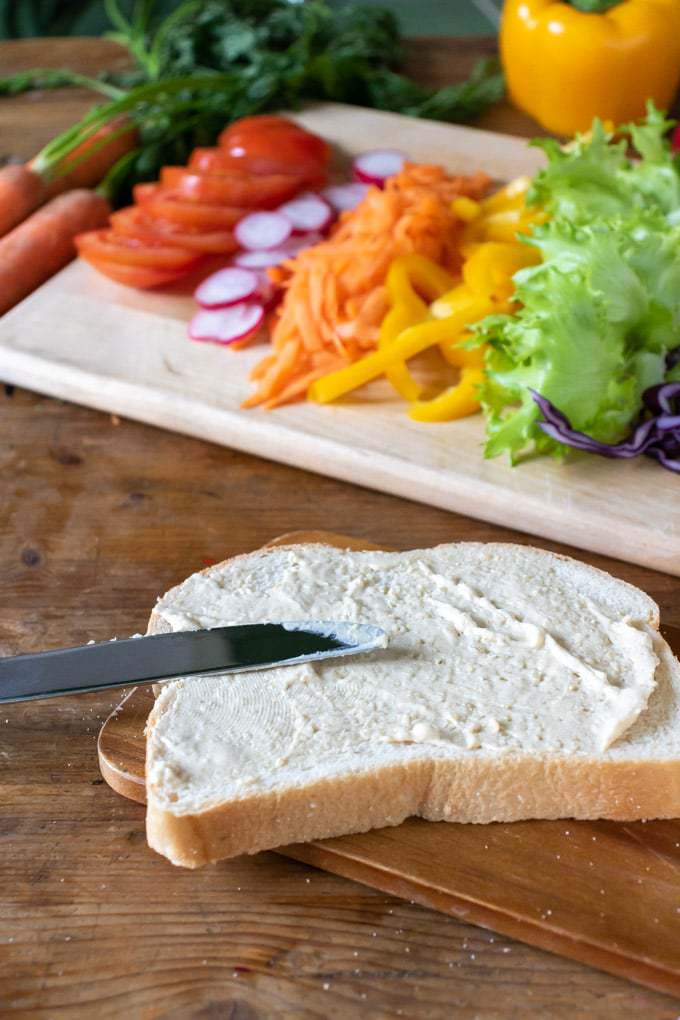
<point x="335" y="295"/>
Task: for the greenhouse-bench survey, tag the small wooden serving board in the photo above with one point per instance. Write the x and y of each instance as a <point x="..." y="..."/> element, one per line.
<point x="604" y="893"/>
<point x="83" y="338"/>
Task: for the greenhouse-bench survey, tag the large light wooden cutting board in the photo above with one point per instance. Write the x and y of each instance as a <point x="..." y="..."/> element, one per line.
<point x="86" y="339"/>
<point x="604" y="893"/>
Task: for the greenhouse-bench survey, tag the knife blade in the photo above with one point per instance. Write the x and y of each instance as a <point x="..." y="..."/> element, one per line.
<point x="141" y="660"/>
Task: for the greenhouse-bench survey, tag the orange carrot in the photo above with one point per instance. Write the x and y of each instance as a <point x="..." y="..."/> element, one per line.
<point x="25" y="187"/>
<point x="335" y="296"/>
<point x="21" y="191"/>
<point x="43" y="243"/>
<point x="80" y="170"/>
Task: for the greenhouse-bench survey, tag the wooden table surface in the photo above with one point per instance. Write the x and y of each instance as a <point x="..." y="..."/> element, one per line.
<point x="98" y="517"/>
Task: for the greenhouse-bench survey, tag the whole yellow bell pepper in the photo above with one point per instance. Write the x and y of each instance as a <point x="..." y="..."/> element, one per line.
<point x="565" y="66"/>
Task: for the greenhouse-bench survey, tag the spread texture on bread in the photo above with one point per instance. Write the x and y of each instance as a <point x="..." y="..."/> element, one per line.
<point x="516" y="684"/>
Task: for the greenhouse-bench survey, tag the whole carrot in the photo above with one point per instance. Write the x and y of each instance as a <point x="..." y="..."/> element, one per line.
<point x="24" y="188"/>
<point x="87" y="164"/>
<point x="43" y="243"/>
<point x="21" y="191"/>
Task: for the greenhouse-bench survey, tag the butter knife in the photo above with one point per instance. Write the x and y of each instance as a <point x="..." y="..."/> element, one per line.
<point x="142" y="660"/>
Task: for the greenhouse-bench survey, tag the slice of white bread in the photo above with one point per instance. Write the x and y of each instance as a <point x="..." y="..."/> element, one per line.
<point x="516" y="684"/>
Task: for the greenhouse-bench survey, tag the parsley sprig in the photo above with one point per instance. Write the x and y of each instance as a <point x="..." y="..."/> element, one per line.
<point x="212" y="61"/>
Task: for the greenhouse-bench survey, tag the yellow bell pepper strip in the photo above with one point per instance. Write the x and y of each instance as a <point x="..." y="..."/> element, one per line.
<point x="448" y="304"/>
<point x="506" y="225"/>
<point x="460" y="400"/>
<point x="509" y="197"/>
<point x="395" y="322"/>
<point x="463" y="357"/>
<point x="457" y="401"/>
<point x="408" y="309"/>
<point x="412" y="341"/>
<point x="489" y="271"/>
<point x="565" y="65"/>
<point x="407" y="270"/>
<point x="466" y="209"/>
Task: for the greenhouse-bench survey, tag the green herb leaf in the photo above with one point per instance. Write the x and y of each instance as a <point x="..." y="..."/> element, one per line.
<point x="50" y="78"/>
<point x="264" y="55"/>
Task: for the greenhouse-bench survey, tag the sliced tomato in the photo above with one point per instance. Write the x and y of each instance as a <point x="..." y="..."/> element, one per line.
<point x="272" y="152"/>
<point x="143" y="277"/>
<point x="136" y="222"/>
<point x="218" y="161"/>
<point x="212" y="161"/>
<point x="260" y="121"/>
<point x="133" y="222"/>
<point x="133" y="251"/>
<point x="233" y="189"/>
<point x="167" y="205"/>
<point x="143" y="192"/>
<point x="171" y="176"/>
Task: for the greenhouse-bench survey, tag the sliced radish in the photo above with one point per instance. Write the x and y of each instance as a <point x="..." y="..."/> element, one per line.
<point x="263" y="230"/>
<point x="376" y="166"/>
<point x="345" y="196"/>
<point x="275" y="256"/>
<point x="307" y="212"/>
<point x="227" y="287"/>
<point x="301" y="241"/>
<point x="226" y="325"/>
<point x="261" y="259"/>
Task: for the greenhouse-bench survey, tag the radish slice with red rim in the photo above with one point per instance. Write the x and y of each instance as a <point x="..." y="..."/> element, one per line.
<point x="375" y="167"/>
<point x="299" y="242"/>
<point x="269" y="257"/>
<point x="345" y="196"/>
<point x="261" y="259"/>
<point x="260" y="231"/>
<point x="226" y="325"/>
<point x="228" y="287"/>
<point x="307" y="212"/>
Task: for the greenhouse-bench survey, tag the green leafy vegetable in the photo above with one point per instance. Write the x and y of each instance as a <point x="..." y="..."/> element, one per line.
<point x="50" y="78"/>
<point x="264" y="55"/>
<point x="601" y="311"/>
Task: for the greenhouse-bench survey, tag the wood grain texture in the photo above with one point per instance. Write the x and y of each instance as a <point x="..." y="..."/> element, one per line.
<point x="603" y="893"/>
<point x="83" y="338"/>
<point x="97" y="518"/>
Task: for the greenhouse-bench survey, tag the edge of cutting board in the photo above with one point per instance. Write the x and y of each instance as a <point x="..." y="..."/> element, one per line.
<point x="376" y="858"/>
<point x="125" y="352"/>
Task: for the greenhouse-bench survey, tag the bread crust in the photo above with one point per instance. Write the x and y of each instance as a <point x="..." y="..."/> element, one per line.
<point x="473" y="790"/>
<point x="476" y="789"/>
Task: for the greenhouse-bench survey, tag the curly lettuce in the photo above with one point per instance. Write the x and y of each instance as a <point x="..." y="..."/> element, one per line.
<point x="601" y="311"/>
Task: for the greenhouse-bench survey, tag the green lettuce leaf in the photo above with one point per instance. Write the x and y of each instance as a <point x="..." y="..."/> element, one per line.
<point x="599" y="313"/>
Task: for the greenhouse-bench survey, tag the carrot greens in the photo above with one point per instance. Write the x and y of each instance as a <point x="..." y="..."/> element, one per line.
<point x="254" y="55"/>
